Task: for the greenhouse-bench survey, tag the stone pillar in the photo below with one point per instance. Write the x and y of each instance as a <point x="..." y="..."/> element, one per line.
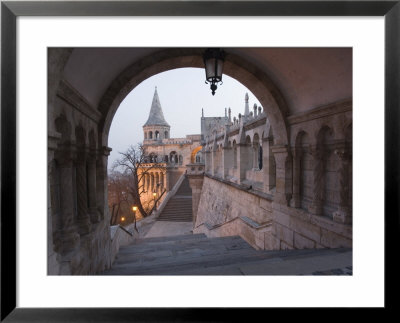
<point x="92" y="199"/>
<point x="69" y="238"/>
<point x="195" y="174"/>
<point x="243" y="156"/>
<point x="268" y="165"/>
<point x="214" y="161"/>
<point x="167" y="179"/>
<point x="318" y="184"/>
<point x="296" y="201"/>
<point x="83" y="221"/>
<point x="343" y="214"/>
<point x="101" y="182"/>
<point x="281" y="154"/>
<point x="226" y="160"/>
<point x="208" y="161"/>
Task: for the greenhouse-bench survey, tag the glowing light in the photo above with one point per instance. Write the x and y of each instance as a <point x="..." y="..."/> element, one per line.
<point x="123" y="219"/>
<point x="134" y="208"/>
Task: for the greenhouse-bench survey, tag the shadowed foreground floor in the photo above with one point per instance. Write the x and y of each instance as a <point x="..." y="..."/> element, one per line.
<point x="195" y="254"/>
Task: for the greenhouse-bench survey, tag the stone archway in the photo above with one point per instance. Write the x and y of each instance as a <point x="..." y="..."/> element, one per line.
<point x="236" y="67"/>
<point x="193" y="154"/>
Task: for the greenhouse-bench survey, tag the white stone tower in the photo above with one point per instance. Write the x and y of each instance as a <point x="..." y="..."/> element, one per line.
<point x="156" y="128"/>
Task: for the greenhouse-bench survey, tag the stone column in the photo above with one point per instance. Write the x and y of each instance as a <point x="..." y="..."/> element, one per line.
<point x="92" y="199"/>
<point x="101" y="182"/>
<point x="343" y="214"/>
<point x="69" y="238"/>
<point x="318" y="181"/>
<point x="268" y="165"/>
<point x="208" y="162"/>
<point x="226" y="160"/>
<point x="296" y="201"/>
<point x="83" y="221"/>
<point x="281" y="154"/>
<point x="213" y="161"/>
<point x="242" y="162"/>
<point x="195" y="174"/>
<point x="167" y="179"/>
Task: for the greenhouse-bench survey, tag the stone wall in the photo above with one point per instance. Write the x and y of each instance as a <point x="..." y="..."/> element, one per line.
<point x="79" y="237"/>
<point x="307" y="184"/>
<point x="296" y="229"/>
<point x="229" y="209"/>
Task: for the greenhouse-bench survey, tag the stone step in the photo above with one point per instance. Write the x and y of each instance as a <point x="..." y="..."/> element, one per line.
<point x="182" y="237"/>
<point x="195" y="254"/>
<point x="171" y="212"/>
<point x="176" y="218"/>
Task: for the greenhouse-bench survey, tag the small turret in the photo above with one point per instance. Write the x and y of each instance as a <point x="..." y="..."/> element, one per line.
<point x="156" y="128"/>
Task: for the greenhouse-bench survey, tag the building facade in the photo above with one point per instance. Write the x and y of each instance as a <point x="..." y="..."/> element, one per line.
<point x="171" y="155"/>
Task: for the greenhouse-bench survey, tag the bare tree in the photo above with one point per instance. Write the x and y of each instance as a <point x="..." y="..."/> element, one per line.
<point x="119" y="199"/>
<point x="135" y="164"/>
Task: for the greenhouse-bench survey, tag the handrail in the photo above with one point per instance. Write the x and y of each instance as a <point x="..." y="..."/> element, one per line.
<point x="128" y="232"/>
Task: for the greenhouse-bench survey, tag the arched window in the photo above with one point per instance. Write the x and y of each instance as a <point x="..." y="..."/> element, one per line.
<point x="260" y="158"/>
<point x="150" y="135"/>
<point x="156" y="135"/>
<point x="173" y="157"/>
<point x="166" y="134"/>
<point x="257" y="152"/>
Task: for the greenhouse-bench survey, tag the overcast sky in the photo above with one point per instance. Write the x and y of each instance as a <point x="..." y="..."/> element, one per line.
<point x="182" y="94"/>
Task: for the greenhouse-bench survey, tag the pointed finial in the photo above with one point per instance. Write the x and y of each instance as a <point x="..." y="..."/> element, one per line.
<point x="225" y="113"/>
<point x="246" y="98"/>
<point x="202" y="112"/>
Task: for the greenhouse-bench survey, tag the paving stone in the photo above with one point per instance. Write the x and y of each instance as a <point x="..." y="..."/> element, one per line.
<point x="198" y="255"/>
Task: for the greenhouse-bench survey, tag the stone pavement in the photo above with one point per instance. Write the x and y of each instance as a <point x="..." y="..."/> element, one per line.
<point x="195" y="254"/>
<point x="167" y="229"/>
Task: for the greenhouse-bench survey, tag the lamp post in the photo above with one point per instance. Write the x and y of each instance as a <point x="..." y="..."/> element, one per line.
<point x="214" y="62"/>
<point x="154" y="196"/>
<point x="134" y="209"/>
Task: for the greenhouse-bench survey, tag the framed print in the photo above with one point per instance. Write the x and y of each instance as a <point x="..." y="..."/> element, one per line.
<point x="290" y="156"/>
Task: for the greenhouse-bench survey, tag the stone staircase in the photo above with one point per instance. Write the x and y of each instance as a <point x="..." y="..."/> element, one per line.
<point x="179" y="207"/>
<point x="195" y="254"/>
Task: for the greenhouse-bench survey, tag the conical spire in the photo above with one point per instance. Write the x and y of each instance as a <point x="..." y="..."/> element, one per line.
<point x="156" y="116"/>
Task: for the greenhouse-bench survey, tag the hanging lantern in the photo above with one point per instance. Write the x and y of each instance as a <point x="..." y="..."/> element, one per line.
<point x="214" y="63"/>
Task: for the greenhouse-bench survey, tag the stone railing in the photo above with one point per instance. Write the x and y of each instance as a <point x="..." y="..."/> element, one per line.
<point x="123" y="236"/>
<point x="254" y="233"/>
<point x="195" y="169"/>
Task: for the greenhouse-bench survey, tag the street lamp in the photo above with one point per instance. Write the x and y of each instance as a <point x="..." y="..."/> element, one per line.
<point x="134" y="209"/>
<point x="154" y="196"/>
<point x="214" y="62"/>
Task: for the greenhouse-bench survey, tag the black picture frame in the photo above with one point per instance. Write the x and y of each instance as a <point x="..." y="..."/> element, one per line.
<point x="10" y="10"/>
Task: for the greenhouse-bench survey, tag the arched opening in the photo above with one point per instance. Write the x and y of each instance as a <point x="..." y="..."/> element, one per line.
<point x="196" y="153"/>
<point x="328" y="161"/>
<point x="248" y="155"/>
<point x="173" y="157"/>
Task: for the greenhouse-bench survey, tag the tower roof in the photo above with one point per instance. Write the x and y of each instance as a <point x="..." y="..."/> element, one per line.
<point x="156" y="116"/>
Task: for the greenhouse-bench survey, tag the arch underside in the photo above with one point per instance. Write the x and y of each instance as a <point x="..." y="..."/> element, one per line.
<point x="294" y="166"/>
